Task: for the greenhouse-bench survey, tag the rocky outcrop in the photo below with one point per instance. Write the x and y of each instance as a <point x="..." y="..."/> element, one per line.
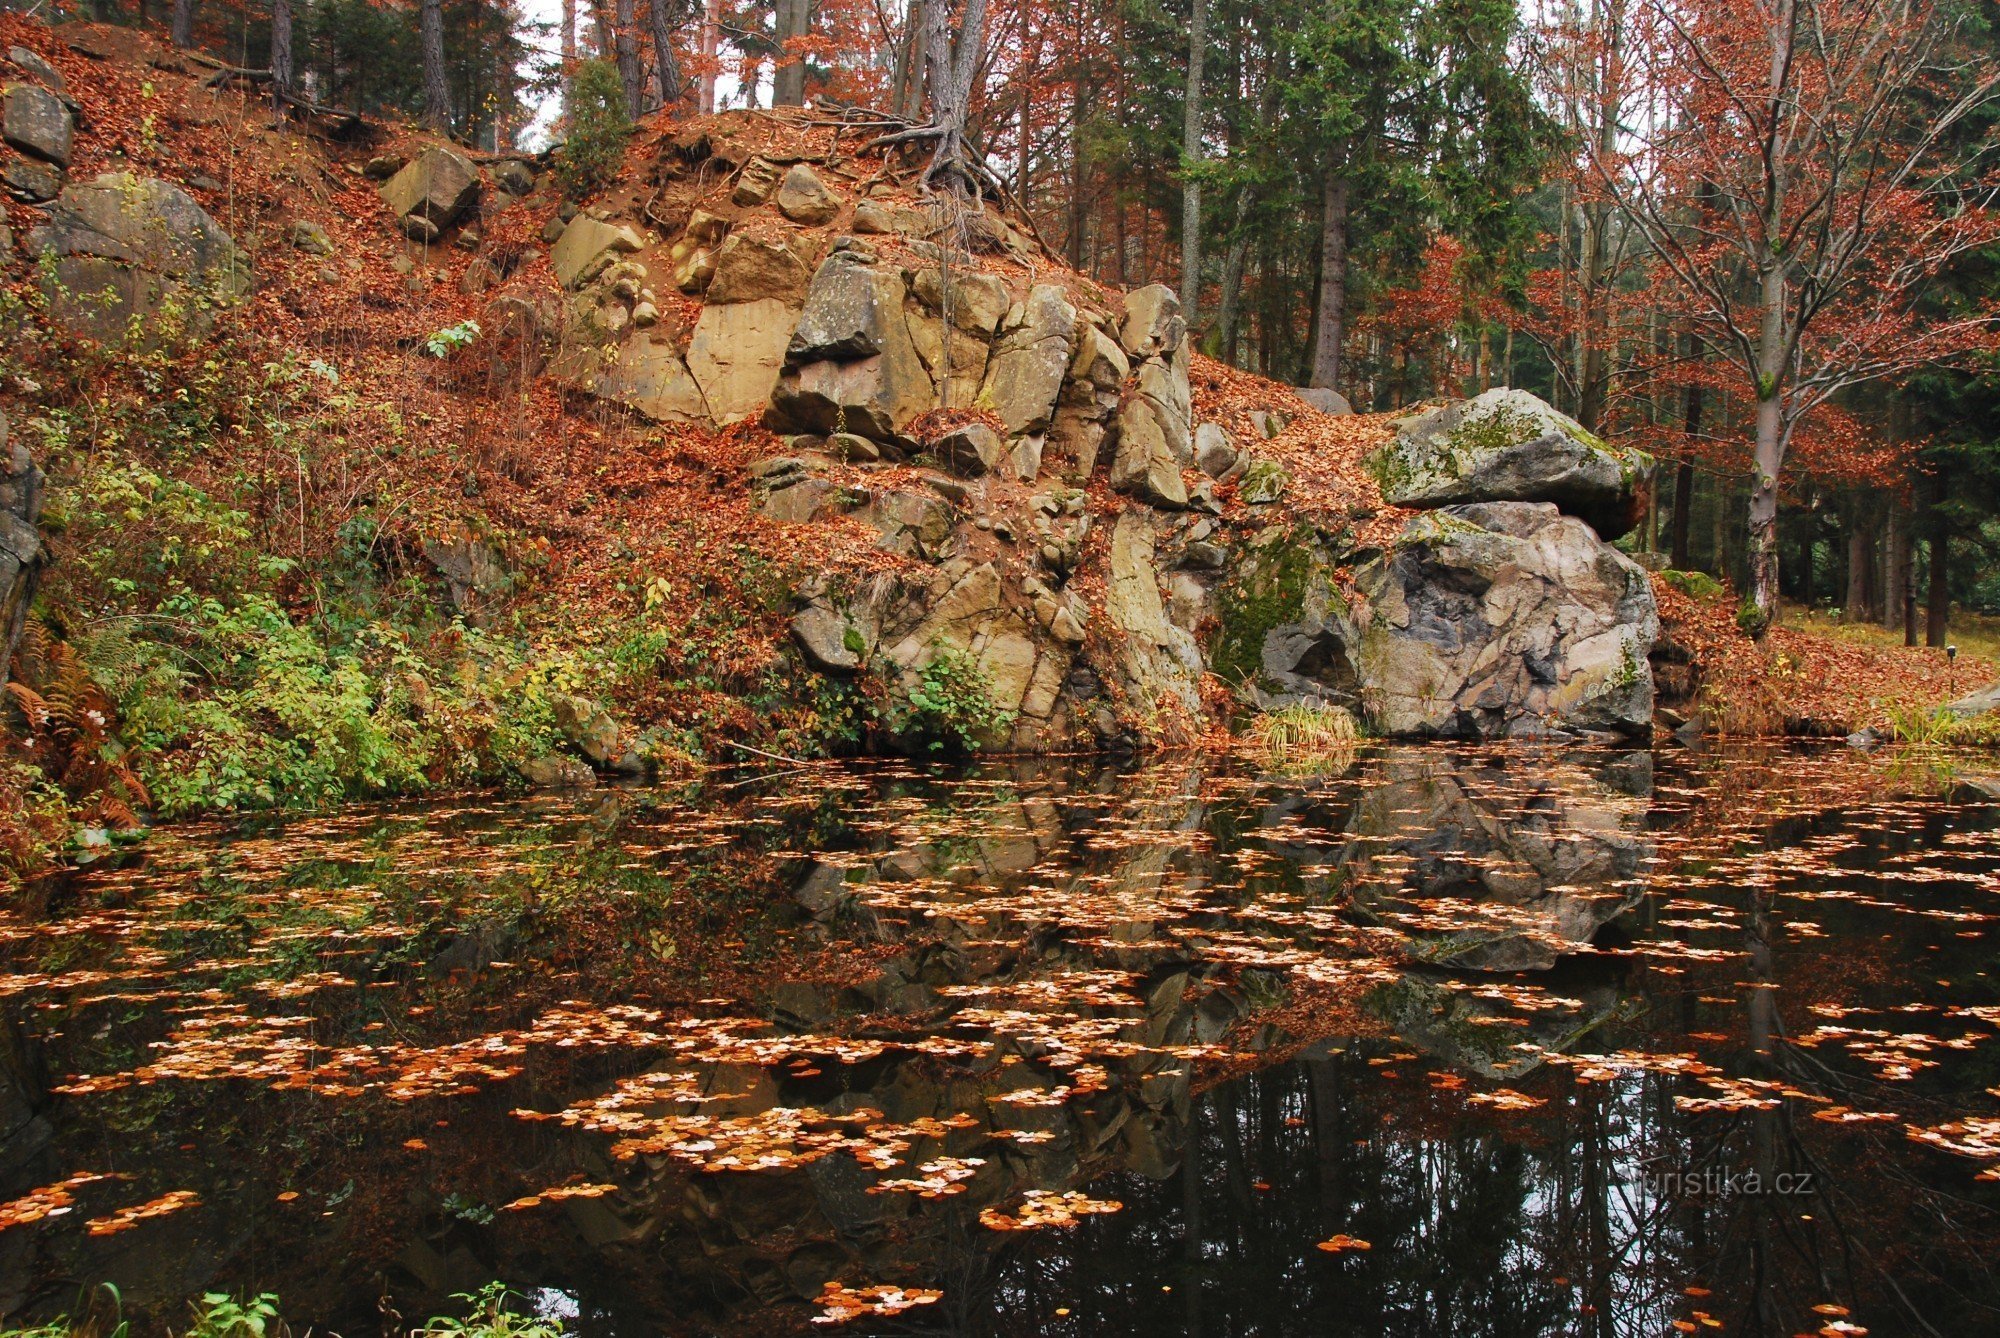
<point x="850" y="365"/>
<point x="1502" y="618"/>
<point x="1508" y="446"/>
<point x="132" y="256"/>
<point x="20" y="541"/>
<point x="36" y="122"/>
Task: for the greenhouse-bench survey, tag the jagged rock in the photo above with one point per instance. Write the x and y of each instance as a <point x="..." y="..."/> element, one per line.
<point x="473" y="573"/>
<point x="850" y="364"/>
<point x="737" y="354"/>
<point x="1326" y="401"/>
<point x="36" y="122"/>
<point x="1262" y="482"/>
<point x="1088" y="401"/>
<point x="1159" y="661"/>
<point x="516" y="178"/>
<point x="979" y="301"/>
<point x="955" y="360"/>
<point x="20" y="541"/>
<point x="694" y="268"/>
<point x="587" y="247"/>
<point x="970" y="451"/>
<point x="1213" y="451"/>
<point x="1025" y="373"/>
<point x="872" y="220"/>
<point x="29" y="181"/>
<point x="38" y="69"/>
<point x="135" y="254"/>
<point x="748" y="269"/>
<point x="755" y="182"/>
<point x="1503" y="618"/>
<point x="803" y="197"/>
<point x="429" y="194"/>
<point x="311" y="238"/>
<point x="592" y="731"/>
<point x="1153" y="326"/>
<point x="853" y="310"/>
<point x="829" y="640"/>
<point x="705" y="229"/>
<point x="383" y="167"/>
<point x="1977" y="703"/>
<point x="1284" y="629"/>
<point x="557" y="772"/>
<point x="1509" y="446"/>
<point x="1145" y="465"/>
<point x="974" y="618"/>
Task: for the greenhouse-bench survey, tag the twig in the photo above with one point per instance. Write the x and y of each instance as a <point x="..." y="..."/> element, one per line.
<point x="775" y="757"/>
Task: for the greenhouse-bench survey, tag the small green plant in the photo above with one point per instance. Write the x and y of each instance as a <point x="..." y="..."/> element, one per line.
<point x="488" y="1316"/>
<point x="598" y="126"/>
<point x="445" y="342"/>
<point x="1306" y="734"/>
<point x="220" y="1315"/>
<point x="952" y="706"/>
<point x="1752" y="621"/>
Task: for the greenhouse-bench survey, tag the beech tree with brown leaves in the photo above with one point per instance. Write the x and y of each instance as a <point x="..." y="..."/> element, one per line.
<point x="1794" y="171"/>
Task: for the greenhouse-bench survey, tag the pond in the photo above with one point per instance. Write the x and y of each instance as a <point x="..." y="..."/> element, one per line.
<point x="1434" y="1040"/>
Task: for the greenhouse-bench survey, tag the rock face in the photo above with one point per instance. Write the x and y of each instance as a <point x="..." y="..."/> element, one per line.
<point x="132" y="254"/>
<point x="998" y="407"/>
<point x="428" y="195"/>
<point x="1508" y="446"/>
<point x="20" y="541"/>
<point x="1503" y="618"/>
<point x="36" y="122"/>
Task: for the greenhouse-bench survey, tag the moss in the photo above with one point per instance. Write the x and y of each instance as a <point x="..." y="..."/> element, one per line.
<point x="1694" y="584"/>
<point x="1267" y="589"/>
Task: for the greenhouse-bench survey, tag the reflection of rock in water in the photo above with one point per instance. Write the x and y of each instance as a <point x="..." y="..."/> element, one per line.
<point x="1503" y="866"/>
<point x="1445" y="1018"/>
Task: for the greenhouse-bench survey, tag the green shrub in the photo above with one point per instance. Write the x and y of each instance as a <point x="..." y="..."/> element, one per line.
<point x="598" y="126"/>
<point x="951" y="706"/>
<point x="488" y="1316"/>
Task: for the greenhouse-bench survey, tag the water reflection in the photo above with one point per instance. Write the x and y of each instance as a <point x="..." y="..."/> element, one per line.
<point x="1049" y="1048"/>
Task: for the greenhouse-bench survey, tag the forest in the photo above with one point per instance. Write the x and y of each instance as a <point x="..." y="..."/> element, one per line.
<point x="976" y="667"/>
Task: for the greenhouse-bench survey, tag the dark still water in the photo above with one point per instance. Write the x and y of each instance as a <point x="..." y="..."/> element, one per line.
<point x="1440" y="1041"/>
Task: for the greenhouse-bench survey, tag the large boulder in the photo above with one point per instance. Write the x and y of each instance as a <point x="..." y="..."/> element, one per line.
<point x="850" y="363"/>
<point x="648" y="375"/>
<point x="1509" y="446"/>
<point x="1025" y="373"/>
<point x="430" y="192"/>
<point x="587" y="247"/>
<point x="132" y="255"/>
<point x="36" y="122"/>
<point x="750" y="269"/>
<point x="1503" y="619"/>
<point x="20" y="541"/>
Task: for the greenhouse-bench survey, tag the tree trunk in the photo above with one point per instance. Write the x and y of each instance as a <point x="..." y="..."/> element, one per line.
<point x="1895" y="557"/>
<point x="183" y="32"/>
<point x="711" y="25"/>
<point x="673" y="84"/>
<point x="281" y="51"/>
<point x="1683" y="516"/>
<point x="1190" y="166"/>
<point x="1691" y="414"/>
<point x="1861" y="604"/>
<point x="568" y="38"/>
<point x="437" y="96"/>
<point x="1937" y="600"/>
<point x="788" y="80"/>
<point x="1229" y="314"/>
<point x="907" y="87"/>
<point x="1330" y="320"/>
<point x="625" y="37"/>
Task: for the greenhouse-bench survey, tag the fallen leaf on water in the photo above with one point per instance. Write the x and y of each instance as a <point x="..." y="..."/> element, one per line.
<point x="839" y="1304"/>
<point x="1337" y="1244"/>
<point x="127" y="1218"/>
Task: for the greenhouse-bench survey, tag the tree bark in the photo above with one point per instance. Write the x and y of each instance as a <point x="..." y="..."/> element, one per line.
<point x="711" y="24"/>
<point x="673" y="83"/>
<point x="625" y="38"/>
<point x="1330" y="320"/>
<point x="183" y="30"/>
<point x="1861" y="604"/>
<point x="281" y="51"/>
<point x="1937" y="600"/>
<point x="788" y="80"/>
<point x="1190" y="166"/>
<point x="437" y="95"/>
<point x="1681" y="555"/>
